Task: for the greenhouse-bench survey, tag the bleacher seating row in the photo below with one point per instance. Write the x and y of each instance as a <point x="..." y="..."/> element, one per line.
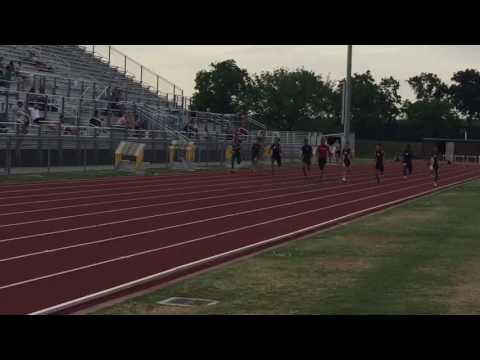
<point x="77" y="82"/>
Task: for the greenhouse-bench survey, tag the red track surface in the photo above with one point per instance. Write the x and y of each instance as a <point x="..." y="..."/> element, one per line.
<point x="66" y="245"/>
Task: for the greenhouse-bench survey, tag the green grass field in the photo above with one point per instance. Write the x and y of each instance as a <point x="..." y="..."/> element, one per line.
<point x="421" y="258"/>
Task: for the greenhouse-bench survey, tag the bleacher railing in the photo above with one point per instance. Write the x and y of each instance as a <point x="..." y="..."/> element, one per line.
<point x="149" y="79"/>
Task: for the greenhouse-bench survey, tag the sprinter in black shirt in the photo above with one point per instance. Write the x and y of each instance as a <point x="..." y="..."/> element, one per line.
<point x="276" y="153"/>
<point x="407" y="162"/>
<point x="434" y="165"/>
<point x="307" y="154"/>
<point x="379" y="166"/>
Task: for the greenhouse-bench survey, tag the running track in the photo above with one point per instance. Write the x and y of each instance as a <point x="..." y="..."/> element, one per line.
<point x="67" y="245"/>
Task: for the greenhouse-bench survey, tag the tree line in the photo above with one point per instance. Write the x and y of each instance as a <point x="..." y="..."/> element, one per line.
<point x="303" y="100"/>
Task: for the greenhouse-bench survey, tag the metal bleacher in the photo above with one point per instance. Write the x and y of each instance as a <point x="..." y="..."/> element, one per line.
<point x="78" y="82"/>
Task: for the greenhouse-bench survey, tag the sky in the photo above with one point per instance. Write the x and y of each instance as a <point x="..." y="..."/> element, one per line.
<point x="180" y="63"/>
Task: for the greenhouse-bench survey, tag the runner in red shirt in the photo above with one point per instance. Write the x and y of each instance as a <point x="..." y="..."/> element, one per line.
<point x="323" y="151"/>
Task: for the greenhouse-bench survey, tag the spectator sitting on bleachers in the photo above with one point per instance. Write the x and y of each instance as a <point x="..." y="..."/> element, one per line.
<point x="33" y="98"/>
<point x="67" y="130"/>
<point x="130" y="121"/>
<point x="121" y="121"/>
<point x="96" y="120"/>
<point x="35" y="114"/>
<point x="22" y="118"/>
<point x="139" y="124"/>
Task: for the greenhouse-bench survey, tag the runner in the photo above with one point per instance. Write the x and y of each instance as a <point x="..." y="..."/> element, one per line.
<point x="236" y="151"/>
<point x="256" y="148"/>
<point x="407" y="162"/>
<point x="323" y="151"/>
<point x="379" y="168"/>
<point x="347" y="161"/>
<point x="307" y="153"/>
<point x="276" y="154"/>
<point x="434" y="165"/>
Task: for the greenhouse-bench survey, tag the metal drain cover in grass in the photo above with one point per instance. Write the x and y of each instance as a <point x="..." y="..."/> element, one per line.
<point x="183" y="301"/>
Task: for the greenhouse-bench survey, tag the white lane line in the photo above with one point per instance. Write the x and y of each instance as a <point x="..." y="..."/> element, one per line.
<point x="179" y="202"/>
<point x="122" y="200"/>
<point x="139" y="180"/>
<point x="95" y="183"/>
<point x="157" y="185"/>
<point x="223" y="184"/>
<point x="173" y="270"/>
<point x="239" y="180"/>
<point x="151" y="197"/>
<point x="148" y="197"/>
<point x="23" y="256"/>
<point x="93" y="226"/>
<point x="105" y="180"/>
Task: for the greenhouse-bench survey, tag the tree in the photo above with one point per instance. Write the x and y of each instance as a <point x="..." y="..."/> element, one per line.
<point x="433" y="114"/>
<point x="391" y="100"/>
<point x="292" y="100"/>
<point x="373" y="105"/>
<point x="221" y="89"/>
<point x="431" y="118"/>
<point x="465" y="92"/>
<point x="428" y="86"/>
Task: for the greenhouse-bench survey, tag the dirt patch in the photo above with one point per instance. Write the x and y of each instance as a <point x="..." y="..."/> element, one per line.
<point x="466" y="297"/>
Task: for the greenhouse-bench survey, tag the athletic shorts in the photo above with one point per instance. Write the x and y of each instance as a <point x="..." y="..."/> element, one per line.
<point x="379" y="166"/>
<point x="347" y="163"/>
<point x="277" y="159"/>
<point x="408" y="166"/>
<point x="307" y="161"/>
<point x="321" y="163"/>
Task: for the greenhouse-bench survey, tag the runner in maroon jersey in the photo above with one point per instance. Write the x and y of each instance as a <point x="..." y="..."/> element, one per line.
<point x="323" y="151"/>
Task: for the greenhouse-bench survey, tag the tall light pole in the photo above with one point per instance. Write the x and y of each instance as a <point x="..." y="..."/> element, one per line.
<point x="347" y="99"/>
